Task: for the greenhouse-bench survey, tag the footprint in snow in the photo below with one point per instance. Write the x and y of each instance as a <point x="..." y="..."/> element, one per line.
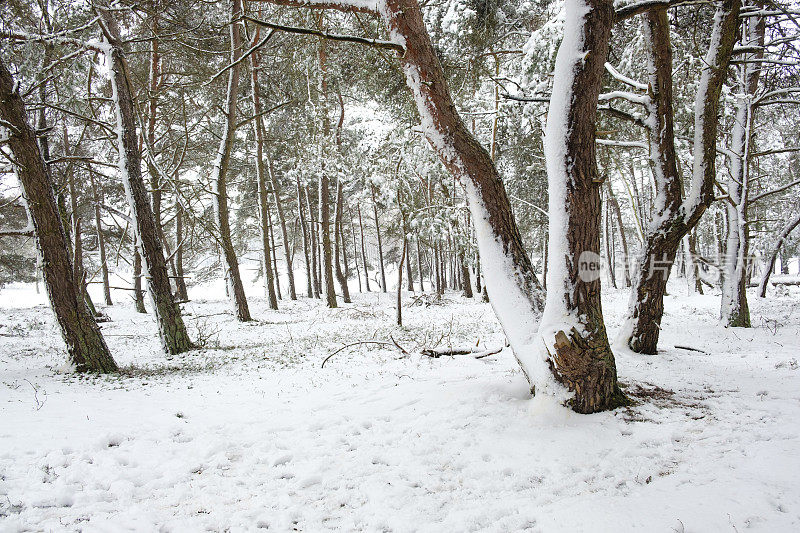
<point x="282" y="460"/>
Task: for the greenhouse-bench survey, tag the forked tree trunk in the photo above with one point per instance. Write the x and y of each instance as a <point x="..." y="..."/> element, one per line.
<point x="676" y="218"/>
<point x="86" y="347"/>
<point x="263" y="207"/>
<point x="233" y="277"/>
<point x="572" y="330"/>
<point x="172" y="330"/>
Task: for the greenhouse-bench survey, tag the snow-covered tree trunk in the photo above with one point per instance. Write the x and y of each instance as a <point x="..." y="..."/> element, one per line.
<point x="220" y="183"/>
<point x="572" y="331"/>
<point x="734" y="310"/>
<point x="85" y="344"/>
<point x="172" y="330"/>
<point x="673" y="219"/>
<point x="261" y="185"/>
<point x="787" y="229"/>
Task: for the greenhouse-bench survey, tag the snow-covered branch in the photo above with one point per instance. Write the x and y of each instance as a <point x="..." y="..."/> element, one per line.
<point x="349" y="6"/>
<point x="625" y="79"/>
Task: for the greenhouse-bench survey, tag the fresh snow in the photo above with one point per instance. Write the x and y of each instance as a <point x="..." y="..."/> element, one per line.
<point x="250" y="432"/>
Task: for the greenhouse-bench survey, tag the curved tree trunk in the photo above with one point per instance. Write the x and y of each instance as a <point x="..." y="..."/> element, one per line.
<point x="675" y="219"/>
<point x="85" y="344"/>
<point x="171" y="328"/>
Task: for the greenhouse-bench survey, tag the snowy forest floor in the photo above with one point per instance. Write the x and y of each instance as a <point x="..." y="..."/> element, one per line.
<point x="251" y="432"/>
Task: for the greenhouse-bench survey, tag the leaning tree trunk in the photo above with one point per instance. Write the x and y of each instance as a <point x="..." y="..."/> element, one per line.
<point x="263" y="206"/>
<point x="572" y="330"/>
<point x="85" y="344"/>
<point x="676" y="218"/>
<point x="232" y="275"/>
<point x="787" y="229"/>
<point x="174" y="336"/>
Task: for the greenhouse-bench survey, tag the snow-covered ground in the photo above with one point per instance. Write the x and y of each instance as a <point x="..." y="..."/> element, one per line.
<point x="251" y="432"/>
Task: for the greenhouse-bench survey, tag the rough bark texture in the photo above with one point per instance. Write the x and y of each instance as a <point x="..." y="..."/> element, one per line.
<point x="465" y="278"/>
<point x="171" y="328"/>
<point x="85" y="344"/>
<point x="581" y="358"/>
<point x="676" y="218"/>
<point x="138" y="292"/>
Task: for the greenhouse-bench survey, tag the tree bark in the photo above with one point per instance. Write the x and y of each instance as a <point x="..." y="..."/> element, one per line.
<point x="287" y="246"/>
<point x="180" y="282"/>
<point x="232" y="275"/>
<point x="172" y="330"/>
<point x="337" y="224"/>
<point x="263" y="206"/>
<point x="676" y="218"/>
<point x="306" y="239"/>
<point x="86" y="347"/>
<point x="573" y="329"/>
<point x="787" y="229"/>
<point x="315" y="259"/>
<point x="363" y="249"/>
<point x="378" y="234"/>
<point x="101" y="243"/>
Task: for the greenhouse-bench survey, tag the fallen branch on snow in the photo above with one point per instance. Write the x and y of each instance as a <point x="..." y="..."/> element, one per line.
<point x="382" y="343"/>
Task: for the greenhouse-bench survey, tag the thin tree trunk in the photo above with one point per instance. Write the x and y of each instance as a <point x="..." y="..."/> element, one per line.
<point x="355" y="249"/>
<point x="787" y="229"/>
<point x="232" y="275"/>
<point x="363" y="249"/>
<point x="271" y="231"/>
<point x="86" y="347"/>
<point x="182" y="294"/>
<point x="306" y="239"/>
<point x="172" y="330"/>
<point x="314" y="246"/>
<point x="337" y="224"/>
<point x="138" y="292"/>
<point x="263" y="205"/>
<point x="612" y="200"/>
<point x="378" y="234"/>
<point x="466" y="282"/>
<point x="420" y="265"/>
<point x="287" y="251"/>
<point x="101" y="244"/>
<point x="400" y="284"/>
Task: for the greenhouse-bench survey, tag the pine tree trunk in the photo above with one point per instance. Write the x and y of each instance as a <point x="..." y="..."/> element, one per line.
<point x="263" y="207"/>
<point x="420" y="264"/>
<point x="172" y="331"/>
<point x="138" y="292"/>
<point x="676" y="217"/>
<point x="271" y="231"/>
<point x="579" y="357"/>
<point x="306" y="239"/>
<point x="400" y="284"/>
<point x="337" y="224"/>
<point x="355" y="249"/>
<point x="466" y="282"/>
<point x="315" y="260"/>
<point x="287" y="251"/>
<point x="378" y="234"/>
<point x="101" y="244"/>
<point x="182" y="294"/>
<point x="363" y="249"/>
<point x="86" y="347"/>
<point x="232" y="275"/>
